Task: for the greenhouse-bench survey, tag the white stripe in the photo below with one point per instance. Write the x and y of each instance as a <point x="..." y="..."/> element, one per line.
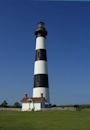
<point x="40" y="67"/>
<point x="40" y="43"/>
<point x="41" y="90"/>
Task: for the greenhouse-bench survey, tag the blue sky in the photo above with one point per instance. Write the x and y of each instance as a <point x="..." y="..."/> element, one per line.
<point x="68" y="49"/>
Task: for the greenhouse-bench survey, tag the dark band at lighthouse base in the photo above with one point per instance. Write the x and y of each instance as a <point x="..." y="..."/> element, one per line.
<point x="41" y="80"/>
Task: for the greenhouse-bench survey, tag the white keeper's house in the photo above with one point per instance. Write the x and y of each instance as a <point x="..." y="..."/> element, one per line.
<point x="33" y="104"/>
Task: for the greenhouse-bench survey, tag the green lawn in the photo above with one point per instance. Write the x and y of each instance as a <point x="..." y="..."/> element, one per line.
<point x="51" y="120"/>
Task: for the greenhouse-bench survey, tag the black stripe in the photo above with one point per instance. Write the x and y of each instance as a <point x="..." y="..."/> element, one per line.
<point x="41" y="55"/>
<point x="41" y="80"/>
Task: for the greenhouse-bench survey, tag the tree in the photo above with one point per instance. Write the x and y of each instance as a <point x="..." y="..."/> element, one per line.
<point x="17" y="105"/>
<point x="4" y="104"/>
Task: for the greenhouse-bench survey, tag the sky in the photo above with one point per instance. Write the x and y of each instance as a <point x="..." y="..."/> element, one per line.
<point x="67" y="43"/>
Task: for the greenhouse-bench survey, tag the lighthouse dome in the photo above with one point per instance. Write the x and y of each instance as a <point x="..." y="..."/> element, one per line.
<point x="40" y="30"/>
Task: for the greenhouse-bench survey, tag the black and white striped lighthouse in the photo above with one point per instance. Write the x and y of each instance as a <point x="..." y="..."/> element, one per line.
<point x="41" y="85"/>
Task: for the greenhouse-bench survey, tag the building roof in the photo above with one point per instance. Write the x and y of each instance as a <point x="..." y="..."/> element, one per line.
<point x="27" y="99"/>
<point x="38" y="100"/>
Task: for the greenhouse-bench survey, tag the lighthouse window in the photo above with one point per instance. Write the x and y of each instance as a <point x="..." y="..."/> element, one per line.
<point x="38" y="54"/>
<point x="38" y="78"/>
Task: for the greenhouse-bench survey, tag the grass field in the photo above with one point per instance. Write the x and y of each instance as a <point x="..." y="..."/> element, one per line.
<point x="51" y="120"/>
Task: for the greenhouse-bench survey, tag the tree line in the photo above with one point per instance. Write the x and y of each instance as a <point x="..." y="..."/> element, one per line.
<point x="6" y="105"/>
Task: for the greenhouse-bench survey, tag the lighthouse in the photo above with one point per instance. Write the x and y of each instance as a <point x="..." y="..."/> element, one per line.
<point x="40" y="97"/>
<point x="41" y="83"/>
